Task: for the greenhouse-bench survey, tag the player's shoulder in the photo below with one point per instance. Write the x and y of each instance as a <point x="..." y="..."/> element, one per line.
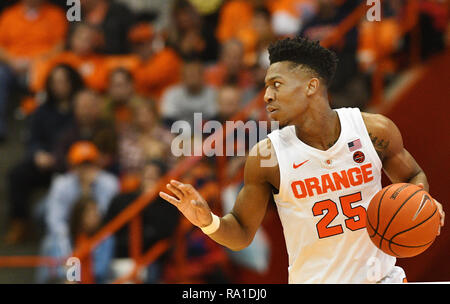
<point x="262" y="149"/>
<point x="383" y="133"/>
<point x="378" y="124"/>
<point x="262" y="160"/>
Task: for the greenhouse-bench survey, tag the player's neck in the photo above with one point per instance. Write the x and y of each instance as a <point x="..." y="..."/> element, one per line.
<point x="319" y="126"/>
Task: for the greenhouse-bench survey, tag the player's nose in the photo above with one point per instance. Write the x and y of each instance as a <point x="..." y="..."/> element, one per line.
<point x="269" y="96"/>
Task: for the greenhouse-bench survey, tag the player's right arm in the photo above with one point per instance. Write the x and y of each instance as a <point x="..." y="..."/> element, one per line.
<point x="237" y="228"/>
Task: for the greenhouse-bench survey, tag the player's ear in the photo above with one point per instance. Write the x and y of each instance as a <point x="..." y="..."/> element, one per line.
<point x="313" y="86"/>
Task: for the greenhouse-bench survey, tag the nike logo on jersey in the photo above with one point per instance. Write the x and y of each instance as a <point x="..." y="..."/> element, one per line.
<point x="296" y="166"/>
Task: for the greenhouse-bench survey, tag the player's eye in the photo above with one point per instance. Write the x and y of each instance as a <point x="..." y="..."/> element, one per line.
<point x="277" y="84"/>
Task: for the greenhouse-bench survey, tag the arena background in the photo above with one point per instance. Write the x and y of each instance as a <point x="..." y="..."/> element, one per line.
<point x="399" y="66"/>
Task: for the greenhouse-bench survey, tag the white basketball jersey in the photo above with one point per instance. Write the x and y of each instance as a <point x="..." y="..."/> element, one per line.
<point x="322" y="200"/>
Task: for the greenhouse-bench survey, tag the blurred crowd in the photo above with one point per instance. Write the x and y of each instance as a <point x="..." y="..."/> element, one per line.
<point x="99" y="98"/>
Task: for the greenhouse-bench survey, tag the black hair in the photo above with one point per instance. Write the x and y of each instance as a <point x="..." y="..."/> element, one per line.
<point x="75" y="79"/>
<point x="309" y="53"/>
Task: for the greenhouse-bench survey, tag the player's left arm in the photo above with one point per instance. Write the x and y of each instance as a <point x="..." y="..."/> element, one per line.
<point x="398" y="163"/>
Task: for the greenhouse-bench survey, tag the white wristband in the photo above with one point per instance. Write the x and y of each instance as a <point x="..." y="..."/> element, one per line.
<point x="211" y="228"/>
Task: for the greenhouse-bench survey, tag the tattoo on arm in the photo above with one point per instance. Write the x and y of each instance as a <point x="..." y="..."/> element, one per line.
<point x="379" y="144"/>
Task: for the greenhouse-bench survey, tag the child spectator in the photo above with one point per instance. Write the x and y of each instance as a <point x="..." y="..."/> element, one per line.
<point x="85" y="178"/>
<point x="38" y="165"/>
<point x="85" y="220"/>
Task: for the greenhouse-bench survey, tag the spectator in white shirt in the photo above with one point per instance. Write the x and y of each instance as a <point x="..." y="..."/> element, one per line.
<point x="180" y="102"/>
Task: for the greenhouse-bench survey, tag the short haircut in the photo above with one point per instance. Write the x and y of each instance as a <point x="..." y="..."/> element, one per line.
<point x="305" y="52"/>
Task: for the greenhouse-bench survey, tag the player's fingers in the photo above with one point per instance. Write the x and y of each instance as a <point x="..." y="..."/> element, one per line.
<point x="178" y="185"/>
<point x="421" y="185"/>
<point x="442" y="214"/>
<point x="175" y="183"/>
<point x="169" y="198"/>
<point x="175" y="191"/>
<point x="441" y="211"/>
<point x="187" y="189"/>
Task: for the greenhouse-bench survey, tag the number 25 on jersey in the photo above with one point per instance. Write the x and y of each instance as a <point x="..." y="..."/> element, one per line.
<point x="356" y="216"/>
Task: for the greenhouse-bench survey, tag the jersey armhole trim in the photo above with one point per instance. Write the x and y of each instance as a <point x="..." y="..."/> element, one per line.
<point x="272" y="139"/>
<point x="374" y="153"/>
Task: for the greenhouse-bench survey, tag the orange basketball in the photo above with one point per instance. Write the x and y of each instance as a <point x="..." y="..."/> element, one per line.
<point x="402" y="220"/>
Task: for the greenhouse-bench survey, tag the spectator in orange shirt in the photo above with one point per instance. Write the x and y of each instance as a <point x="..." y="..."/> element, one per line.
<point x="28" y="30"/>
<point x="230" y="67"/>
<point x="161" y="66"/>
<point x="80" y="55"/>
<point x="256" y="38"/>
<point x="234" y="15"/>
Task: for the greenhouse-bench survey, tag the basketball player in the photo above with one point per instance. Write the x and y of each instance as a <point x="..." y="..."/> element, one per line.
<point x="327" y="168"/>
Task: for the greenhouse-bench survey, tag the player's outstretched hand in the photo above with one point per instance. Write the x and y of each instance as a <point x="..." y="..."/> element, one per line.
<point x="189" y="202"/>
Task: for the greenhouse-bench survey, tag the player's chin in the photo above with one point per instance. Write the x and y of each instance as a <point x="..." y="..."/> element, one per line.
<point x="278" y="117"/>
<point x="274" y="115"/>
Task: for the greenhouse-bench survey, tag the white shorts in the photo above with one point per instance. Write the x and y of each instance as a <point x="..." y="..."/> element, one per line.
<point x="396" y="275"/>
